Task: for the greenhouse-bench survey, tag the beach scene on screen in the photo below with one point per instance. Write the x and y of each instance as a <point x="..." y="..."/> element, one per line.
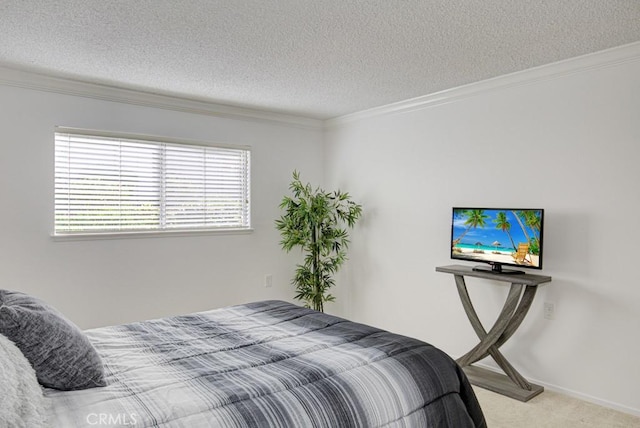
<point x="499" y="236"/>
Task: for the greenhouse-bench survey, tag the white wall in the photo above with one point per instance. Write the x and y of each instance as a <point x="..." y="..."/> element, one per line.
<point x="569" y="143"/>
<point x="104" y="282"/>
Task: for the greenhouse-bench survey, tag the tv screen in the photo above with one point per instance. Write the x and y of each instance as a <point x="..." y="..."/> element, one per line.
<point x="498" y="237"/>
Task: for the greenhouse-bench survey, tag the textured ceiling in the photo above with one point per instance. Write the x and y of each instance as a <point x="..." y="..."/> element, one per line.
<point x="312" y="58"/>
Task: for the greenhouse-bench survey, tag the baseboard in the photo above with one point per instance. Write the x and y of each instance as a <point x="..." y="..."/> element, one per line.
<point x="575" y="394"/>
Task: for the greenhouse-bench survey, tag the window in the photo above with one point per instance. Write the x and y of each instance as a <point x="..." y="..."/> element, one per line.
<point x="115" y="184"/>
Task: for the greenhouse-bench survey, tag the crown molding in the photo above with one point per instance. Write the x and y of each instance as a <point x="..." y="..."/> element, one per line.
<point x="42" y="82"/>
<point x="585" y="63"/>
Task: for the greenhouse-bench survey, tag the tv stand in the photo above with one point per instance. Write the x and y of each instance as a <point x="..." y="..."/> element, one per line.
<point x="523" y="290"/>
<point x="497" y="268"/>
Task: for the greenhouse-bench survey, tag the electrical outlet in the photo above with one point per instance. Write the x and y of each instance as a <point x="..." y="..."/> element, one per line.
<point x="268" y="280"/>
<point x="549" y="310"/>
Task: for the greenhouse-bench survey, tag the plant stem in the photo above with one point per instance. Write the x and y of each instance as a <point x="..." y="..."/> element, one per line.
<point x="317" y="297"/>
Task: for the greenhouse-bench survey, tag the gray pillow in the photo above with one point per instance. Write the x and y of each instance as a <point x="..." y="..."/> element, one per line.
<point x="58" y="350"/>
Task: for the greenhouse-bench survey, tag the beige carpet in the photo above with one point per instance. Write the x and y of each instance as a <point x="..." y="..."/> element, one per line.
<point x="549" y="410"/>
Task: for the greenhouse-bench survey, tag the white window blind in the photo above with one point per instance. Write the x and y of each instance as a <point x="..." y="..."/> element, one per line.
<point x="109" y="184"/>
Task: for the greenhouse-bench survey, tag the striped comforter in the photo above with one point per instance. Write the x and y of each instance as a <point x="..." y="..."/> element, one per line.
<point x="267" y="364"/>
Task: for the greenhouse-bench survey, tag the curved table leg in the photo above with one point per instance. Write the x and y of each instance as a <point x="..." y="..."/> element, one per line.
<point x="510" y="318"/>
<point x="518" y="316"/>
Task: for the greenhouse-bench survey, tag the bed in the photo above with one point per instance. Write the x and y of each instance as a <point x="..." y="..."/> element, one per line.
<point x="265" y="364"/>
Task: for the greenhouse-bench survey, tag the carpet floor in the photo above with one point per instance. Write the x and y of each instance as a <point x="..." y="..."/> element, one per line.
<point x="549" y="410"/>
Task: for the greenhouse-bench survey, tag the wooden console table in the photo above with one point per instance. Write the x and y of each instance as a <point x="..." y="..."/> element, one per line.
<point x="521" y="294"/>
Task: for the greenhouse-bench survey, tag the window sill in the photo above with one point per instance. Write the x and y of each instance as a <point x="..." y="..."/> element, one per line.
<point x="90" y="236"/>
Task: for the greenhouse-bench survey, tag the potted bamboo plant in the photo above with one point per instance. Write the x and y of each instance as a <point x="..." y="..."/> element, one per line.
<point x="316" y="221"/>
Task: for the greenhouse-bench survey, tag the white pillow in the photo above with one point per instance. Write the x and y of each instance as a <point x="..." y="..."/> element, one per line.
<point x="23" y="405"/>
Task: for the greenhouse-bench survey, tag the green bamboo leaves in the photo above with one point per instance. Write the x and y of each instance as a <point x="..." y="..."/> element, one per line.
<point x="315" y="221"/>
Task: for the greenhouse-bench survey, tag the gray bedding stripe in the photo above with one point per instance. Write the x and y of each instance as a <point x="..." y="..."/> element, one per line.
<point x="268" y="364"/>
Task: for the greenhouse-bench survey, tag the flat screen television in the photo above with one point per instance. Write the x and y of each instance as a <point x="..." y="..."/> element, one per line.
<point x="498" y="236"/>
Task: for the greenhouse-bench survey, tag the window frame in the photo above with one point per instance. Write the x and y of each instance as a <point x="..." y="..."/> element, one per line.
<point x="150" y="232"/>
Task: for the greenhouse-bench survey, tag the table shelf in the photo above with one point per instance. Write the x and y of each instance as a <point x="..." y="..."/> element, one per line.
<point x="521" y="293"/>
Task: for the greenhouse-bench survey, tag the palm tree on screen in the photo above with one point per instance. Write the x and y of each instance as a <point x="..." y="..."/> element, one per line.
<point x="532" y="220"/>
<point x="474" y="219"/>
<point x="519" y="215"/>
<point x="503" y="224"/>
